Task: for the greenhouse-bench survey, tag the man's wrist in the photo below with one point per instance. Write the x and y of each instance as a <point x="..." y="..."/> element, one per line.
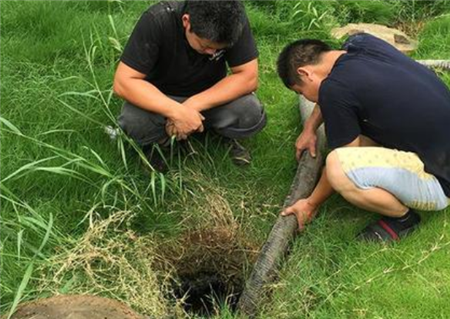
<point x="172" y="111"/>
<point x="309" y="127"/>
<point x="312" y="203"/>
<point x="194" y="104"/>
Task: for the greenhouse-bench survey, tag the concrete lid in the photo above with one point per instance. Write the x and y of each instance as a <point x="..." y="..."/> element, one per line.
<point x="395" y="37"/>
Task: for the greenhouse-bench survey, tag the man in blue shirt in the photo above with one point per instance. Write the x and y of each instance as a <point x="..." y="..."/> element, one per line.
<point x="387" y="121"/>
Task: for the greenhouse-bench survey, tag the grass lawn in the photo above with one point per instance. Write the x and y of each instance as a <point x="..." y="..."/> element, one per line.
<point x="79" y="215"/>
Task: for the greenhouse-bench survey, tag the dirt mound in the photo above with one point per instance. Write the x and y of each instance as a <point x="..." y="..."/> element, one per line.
<point x="75" y="307"/>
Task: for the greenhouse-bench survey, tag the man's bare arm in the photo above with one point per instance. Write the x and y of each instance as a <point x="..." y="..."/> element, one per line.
<point x="304" y="209"/>
<point x="314" y="120"/>
<point x="307" y="140"/>
<point x="130" y="85"/>
<point x="242" y="81"/>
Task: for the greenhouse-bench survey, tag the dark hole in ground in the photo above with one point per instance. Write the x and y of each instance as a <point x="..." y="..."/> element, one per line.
<point x="209" y="268"/>
<point x="205" y="293"/>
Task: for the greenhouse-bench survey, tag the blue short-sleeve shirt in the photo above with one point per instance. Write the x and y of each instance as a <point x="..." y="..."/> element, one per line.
<point x="377" y="91"/>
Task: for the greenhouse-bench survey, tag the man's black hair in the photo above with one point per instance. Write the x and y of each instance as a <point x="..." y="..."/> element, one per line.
<point x="216" y="20"/>
<point x="298" y="54"/>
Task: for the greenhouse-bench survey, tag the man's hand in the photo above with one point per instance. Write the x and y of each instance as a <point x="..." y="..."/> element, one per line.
<point x="303" y="210"/>
<point x="170" y="128"/>
<point x="184" y="122"/>
<point x="307" y="140"/>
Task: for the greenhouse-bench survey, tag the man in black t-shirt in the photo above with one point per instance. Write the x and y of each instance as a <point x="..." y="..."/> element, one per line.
<point x="173" y="76"/>
<point x="387" y="122"/>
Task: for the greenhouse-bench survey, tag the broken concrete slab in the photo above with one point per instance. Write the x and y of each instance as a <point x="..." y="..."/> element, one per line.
<point x="393" y="36"/>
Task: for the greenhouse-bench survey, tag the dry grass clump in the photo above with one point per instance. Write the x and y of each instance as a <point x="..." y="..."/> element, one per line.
<point x="110" y="261"/>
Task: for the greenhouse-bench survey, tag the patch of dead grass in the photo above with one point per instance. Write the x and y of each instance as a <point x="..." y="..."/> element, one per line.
<point x="110" y="261"/>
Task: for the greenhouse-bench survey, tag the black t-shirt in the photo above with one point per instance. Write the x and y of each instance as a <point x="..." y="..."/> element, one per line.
<point x="158" y="48"/>
<point x="377" y="91"/>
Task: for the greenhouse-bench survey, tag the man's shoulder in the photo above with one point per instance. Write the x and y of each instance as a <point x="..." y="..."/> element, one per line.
<point x="362" y="40"/>
<point x="342" y="76"/>
<point x="163" y="11"/>
<point x="337" y="90"/>
<point x="333" y="86"/>
<point x="349" y="71"/>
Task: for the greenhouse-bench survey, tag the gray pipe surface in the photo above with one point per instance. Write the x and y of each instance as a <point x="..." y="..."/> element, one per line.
<point x="276" y="246"/>
<point x="440" y="64"/>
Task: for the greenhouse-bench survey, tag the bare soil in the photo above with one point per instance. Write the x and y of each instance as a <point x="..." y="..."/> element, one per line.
<point x="75" y="307"/>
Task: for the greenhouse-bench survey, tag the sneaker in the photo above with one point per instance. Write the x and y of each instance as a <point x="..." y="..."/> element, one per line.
<point x="388" y="229"/>
<point x="240" y="156"/>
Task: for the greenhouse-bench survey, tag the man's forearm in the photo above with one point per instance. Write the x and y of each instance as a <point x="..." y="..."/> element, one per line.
<point x="146" y="96"/>
<point x="314" y="120"/>
<point x="228" y="89"/>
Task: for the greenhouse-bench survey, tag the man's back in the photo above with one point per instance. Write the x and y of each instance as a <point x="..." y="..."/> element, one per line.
<point x="377" y="91"/>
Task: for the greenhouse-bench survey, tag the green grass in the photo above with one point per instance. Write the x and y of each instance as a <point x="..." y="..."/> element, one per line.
<point x="68" y="191"/>
<point x="330" y="276"/>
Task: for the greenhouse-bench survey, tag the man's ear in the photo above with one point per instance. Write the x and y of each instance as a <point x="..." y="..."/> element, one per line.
<point x="186" y="21"/>
<point x="304" y="73"/>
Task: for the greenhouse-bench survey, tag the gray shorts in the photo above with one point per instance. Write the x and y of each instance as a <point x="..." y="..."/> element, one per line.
<point x="238" y="119"/>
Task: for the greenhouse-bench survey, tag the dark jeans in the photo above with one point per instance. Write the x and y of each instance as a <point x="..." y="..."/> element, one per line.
<point x="238" y="119"/>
